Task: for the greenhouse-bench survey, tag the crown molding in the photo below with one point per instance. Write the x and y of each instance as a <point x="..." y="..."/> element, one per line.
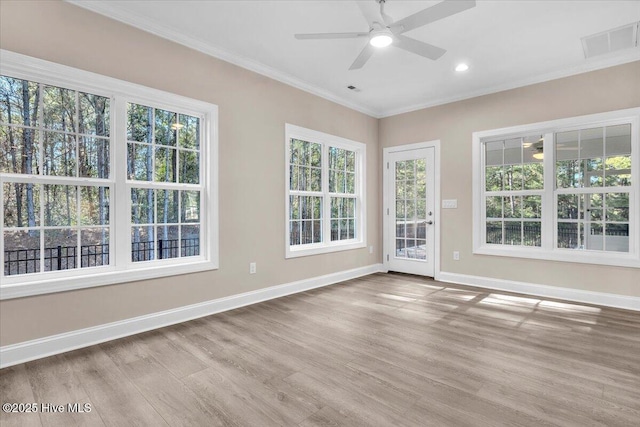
<point x="141" y="22"/>
<point x="606" y="61"/>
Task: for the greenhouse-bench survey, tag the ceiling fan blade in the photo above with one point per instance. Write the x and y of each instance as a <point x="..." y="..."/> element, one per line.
<point x="364" y="56"/>
<point x="321" y="36"/>
<point x="419" y="48"/>
<point x="432" y="14"/>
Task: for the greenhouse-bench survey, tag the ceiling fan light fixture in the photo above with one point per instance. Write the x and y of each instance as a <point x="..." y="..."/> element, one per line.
<point x="462" y="67"/>
<point x="539" y="155"/>
<point x="381" y="38"/>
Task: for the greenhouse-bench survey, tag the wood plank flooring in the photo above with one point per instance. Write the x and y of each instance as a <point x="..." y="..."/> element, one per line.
<point x="382" y="350"/>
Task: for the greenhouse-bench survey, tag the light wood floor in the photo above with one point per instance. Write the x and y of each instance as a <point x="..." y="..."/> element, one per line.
<point x="382" y="350"/>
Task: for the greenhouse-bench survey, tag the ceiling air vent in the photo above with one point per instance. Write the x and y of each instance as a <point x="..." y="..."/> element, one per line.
<point x="353" y="88"/>
<point x="624" y="37"/>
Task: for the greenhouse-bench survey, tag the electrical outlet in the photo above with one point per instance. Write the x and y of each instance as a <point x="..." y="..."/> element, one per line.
<point x="370" y="249"/>
<point x="456" y="256"/>
<point x="252" y="268"/>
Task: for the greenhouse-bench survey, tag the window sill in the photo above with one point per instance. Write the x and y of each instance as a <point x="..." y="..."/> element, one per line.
<point x="307" y="250"/>
<point x="563" y="255"/>
<point x="101" y="277"/>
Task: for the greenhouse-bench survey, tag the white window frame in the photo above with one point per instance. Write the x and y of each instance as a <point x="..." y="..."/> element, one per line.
<point x="549" y="211"/>
<point x="326" y="140"/>
<point x="121" y="269"/>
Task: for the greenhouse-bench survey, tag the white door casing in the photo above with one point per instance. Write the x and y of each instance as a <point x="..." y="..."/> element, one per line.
<point x="411" y="208"/>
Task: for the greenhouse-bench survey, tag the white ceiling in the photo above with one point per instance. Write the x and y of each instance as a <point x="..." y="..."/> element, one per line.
<point x="506" y="43"/>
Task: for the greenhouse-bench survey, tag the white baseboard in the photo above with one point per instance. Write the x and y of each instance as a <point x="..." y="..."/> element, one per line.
<point x="42" y="347"/>
<point x="570" y="294"/>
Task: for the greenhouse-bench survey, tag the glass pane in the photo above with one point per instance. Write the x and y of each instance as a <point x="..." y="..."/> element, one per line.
<point x="533" y="174"/>
<point x="594" y="239"/>
<point x="421" y="249"/>
<point x="400" y="248"/>
<point x="307" y="232"/>
<point x="142" y="244"/>
<point x="94" y="247"/>
<point x="190" y="244"/>
<point x="494" y="178"/>
<point x="21" y="252"/>
<point x="315" y="179"/>
<point x="317" y="231"/>
<point x="532" y="206"/>
<point x="167" y="206"/>
<point x="592" y="143"/>
<point x="142" y="206"/>
<point x="189" y="132"/>
<point x="494" y="232"/>
<point x="59" y="109"/>
<point x="315" y="155"/>
<point x="513" y="178"/>
<point x="512" y="233"/>
<point x="618" y="140"/>
<point x="513" y="151"/>
<point x="617" y="207"/>
<point x="410" y="249"/>
<point x="139" y="162"/>
<point x="568" y="235"/>
<point x="21" y="205"/>
<point x="294" y="232"/>
<point x="59" y="154"/>
<point x="618" y="171"/>
<point x="94" y="114"/>
<point x="60" y="205"/>
<point x="400" y="171"/>
<point x="617" y="237"/>
<point x="94" y="157"/>
<point x="351" y="161"/>
<point x="593" y="207"/>
<point x="15" y="107"/>
<point x="335" y="229"/>
<point x="351" y="183"/>
<point x="532" y="233"/>
<point x="532" y="149"/>
<point x="512" y="206"/>
<point x="400" y="229"/>
<point x="569" y="174"/>
<point x="410" y="169"/>
<point x="16" y="145"/>
<point x="94" y="205"/>
<point x="168" y="242"/>
<point x="337" y="158"/>
<point x="494" y="207"/>
<point x="190" y="206"/>
<point x="568" y="206"/>
<point x="189" y="167"/>
<point x="567" y="145"/>
<point x="139" y="123"/>
<point x="60" y="249"/>
<point x="166" y="127"/>
<point x="494" y="153"/>
<point x="165" y="170"/>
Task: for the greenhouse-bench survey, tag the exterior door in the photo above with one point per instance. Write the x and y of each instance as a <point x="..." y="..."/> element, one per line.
<point x="410" y="215"/>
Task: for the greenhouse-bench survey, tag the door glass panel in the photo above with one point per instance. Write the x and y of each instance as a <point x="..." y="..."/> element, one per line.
<point x="411" y="209"/>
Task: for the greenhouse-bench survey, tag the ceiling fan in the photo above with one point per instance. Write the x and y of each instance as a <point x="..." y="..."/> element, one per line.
<point x="383" y="31"/>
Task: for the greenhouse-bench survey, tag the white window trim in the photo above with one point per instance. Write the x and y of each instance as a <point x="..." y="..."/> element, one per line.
<point x="120" y="271"/>
<point x="297" y="132"/>
<point x="549" y="213"/>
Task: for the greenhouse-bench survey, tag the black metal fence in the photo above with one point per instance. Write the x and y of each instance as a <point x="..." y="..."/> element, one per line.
<point x="23" y="261"/>
<point x="531" y="234"/>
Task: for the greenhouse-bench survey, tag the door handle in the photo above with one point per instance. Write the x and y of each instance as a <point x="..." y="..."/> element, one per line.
<point x="429" y="222"/>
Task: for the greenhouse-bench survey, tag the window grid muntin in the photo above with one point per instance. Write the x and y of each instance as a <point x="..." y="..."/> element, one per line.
<point x="156" y="186"/>
<point x="325" y="141"/>
<point x="628" y="117"/>
<point x="40" y="179"/>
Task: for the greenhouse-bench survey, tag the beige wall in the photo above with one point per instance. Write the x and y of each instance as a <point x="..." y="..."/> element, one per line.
<point x="605" y="90"/>
<point x="253" y="111"/>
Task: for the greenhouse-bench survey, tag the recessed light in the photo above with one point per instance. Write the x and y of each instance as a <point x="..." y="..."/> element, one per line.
<point x="462" y="67"/>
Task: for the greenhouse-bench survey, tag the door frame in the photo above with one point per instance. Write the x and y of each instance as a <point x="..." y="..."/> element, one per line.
<point x="435" y="144"/>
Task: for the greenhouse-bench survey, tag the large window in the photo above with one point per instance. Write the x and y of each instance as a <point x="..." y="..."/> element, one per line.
<point x="564" y="190"/>
<point x="101" y="181"/>
<point x="325" y="187"/>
